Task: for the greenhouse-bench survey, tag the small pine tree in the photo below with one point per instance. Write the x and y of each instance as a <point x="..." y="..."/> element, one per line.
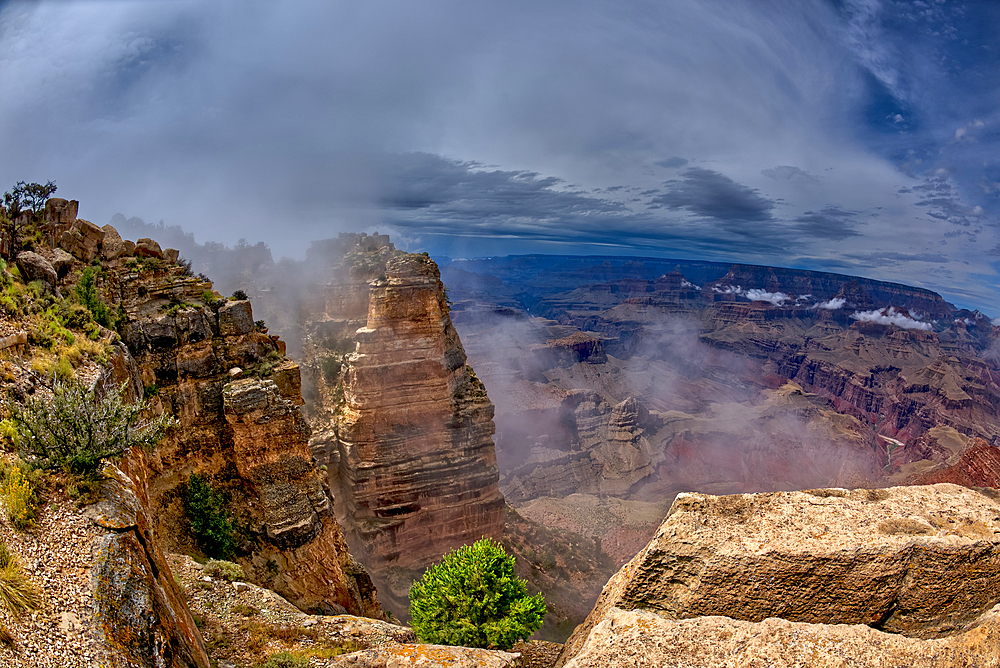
<point x="210" y="523"/>
<point x="474" y="598"/>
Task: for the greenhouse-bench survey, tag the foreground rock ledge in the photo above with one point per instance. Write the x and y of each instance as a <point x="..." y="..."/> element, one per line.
<point x="918" y="561"/>
<point x="640" y="638"/>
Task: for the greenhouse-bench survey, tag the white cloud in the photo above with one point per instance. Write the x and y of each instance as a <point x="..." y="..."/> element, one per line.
<point x="890" y="316"/>
<point x="776" y="298"/>
<point x="832" y="304"/>
<point x="754" y="294"/>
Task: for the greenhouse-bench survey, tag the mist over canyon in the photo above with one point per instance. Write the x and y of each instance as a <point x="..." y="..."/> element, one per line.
<point x="618" y="383"/>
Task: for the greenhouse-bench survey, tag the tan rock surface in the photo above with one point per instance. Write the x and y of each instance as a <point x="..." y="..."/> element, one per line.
<point x="426" y="656"/>
<point x="637" y="638"/>
<point x="244" y="623"/>
<point x="919" y="561"/>
<point x="246" y="437"/>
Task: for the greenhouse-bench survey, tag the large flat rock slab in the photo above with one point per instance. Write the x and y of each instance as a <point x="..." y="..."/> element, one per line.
<point x="637" y="638"/>
<point x="919" y="561"/>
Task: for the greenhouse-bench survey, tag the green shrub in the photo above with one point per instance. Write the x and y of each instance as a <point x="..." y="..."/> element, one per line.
<point x="17" y="593"/>
<point x="224" y="570"/>
<point x="86" y="292"/>
<point x="78" y="429"/>
<point x="331" y="368"/>
<point x="209" y="518"/>
<point x="474" y="598"/>
<point x="63" y="369"/>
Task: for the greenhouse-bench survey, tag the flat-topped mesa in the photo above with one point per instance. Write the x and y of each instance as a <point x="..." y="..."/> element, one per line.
<point x="921" y="562"/>
<point x="417" y="466"/>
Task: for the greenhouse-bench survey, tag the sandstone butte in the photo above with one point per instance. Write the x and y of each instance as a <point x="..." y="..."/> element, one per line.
<point x="407" y="430"/>
<point x="904" y="576"/>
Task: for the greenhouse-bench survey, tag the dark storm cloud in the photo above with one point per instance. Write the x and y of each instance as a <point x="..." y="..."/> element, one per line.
<point x="287" y="122"/>
<point x="708" y="193"/>
<point x="829" y="223"/>
<point x="431" y="195"/>
<point x="448" y="189"/>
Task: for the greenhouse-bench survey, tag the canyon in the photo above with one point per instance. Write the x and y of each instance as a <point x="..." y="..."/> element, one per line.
<point x="620" y="382"/>
<point x="352" y="430"/>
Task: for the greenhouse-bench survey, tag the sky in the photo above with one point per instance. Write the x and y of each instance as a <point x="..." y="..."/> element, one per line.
<point x="855" y="136"/>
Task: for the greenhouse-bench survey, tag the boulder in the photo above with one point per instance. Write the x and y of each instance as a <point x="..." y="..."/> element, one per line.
<point x="34" y="267"/>
<point x="83" y="239"/>
<point x="139" y="611"/>
<point x="920" y="561"/>
<point x="235" y="318"/>
<point x="148" y="248"/>
<point x="62" y="262"/>
<point x="196" y="360"/>
<point x="128" y="248"/>
<point x="640" y="638"/>
<point x="112" y="246"/>
<point x="60" y="211"/>
<point x="171" y="254"/>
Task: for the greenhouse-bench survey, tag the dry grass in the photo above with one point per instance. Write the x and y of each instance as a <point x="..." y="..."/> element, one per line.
<point x="6" y="639"/>
<point x="17" y="593"/>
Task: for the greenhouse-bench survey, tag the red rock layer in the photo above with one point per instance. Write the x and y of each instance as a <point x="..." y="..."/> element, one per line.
<point x="417" y="466"/>
<point x="979" y="466"/>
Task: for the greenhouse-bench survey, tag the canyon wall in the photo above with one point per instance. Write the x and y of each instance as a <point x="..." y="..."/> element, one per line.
<point x="207" y="362"/>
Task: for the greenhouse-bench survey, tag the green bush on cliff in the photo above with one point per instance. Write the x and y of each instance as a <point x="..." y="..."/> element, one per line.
<point x="206" y="512"/>
<point x="86" y="292"/>
<point x="474" y="598"/>
<point x="79" y="428"/>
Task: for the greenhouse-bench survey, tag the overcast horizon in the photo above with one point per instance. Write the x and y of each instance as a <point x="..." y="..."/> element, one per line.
<point x="853" y="136"/>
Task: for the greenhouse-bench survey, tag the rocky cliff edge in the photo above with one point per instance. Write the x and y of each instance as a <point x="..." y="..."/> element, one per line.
<point x="917" y="567"/>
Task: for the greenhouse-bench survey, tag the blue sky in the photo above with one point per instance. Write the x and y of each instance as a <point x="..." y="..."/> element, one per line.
<point x="858" y="136"/>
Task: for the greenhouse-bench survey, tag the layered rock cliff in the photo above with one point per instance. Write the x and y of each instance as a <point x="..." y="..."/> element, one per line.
<point x="409" y="441"/>
<point x="245" y="434"/>
<point x="236" y="398"/>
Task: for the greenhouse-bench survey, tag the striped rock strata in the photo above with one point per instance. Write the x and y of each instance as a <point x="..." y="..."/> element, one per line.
<point x="417" y="467"/>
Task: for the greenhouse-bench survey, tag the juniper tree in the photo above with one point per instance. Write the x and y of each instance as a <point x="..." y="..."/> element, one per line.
<point x="474" y="598"/>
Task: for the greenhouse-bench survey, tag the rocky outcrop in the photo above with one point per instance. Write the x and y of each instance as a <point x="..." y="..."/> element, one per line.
<point x="921" y="562"/>
<point x="979" y="466"/>
<point x="82" y="239"/>
<point x="630" y="638"/>
<point x="417" y="469"/>
<point x="34" y="267"/>
<point x="137" y="606"/>
<point x="246" y="436"/>
<point x="271" y="452"/>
